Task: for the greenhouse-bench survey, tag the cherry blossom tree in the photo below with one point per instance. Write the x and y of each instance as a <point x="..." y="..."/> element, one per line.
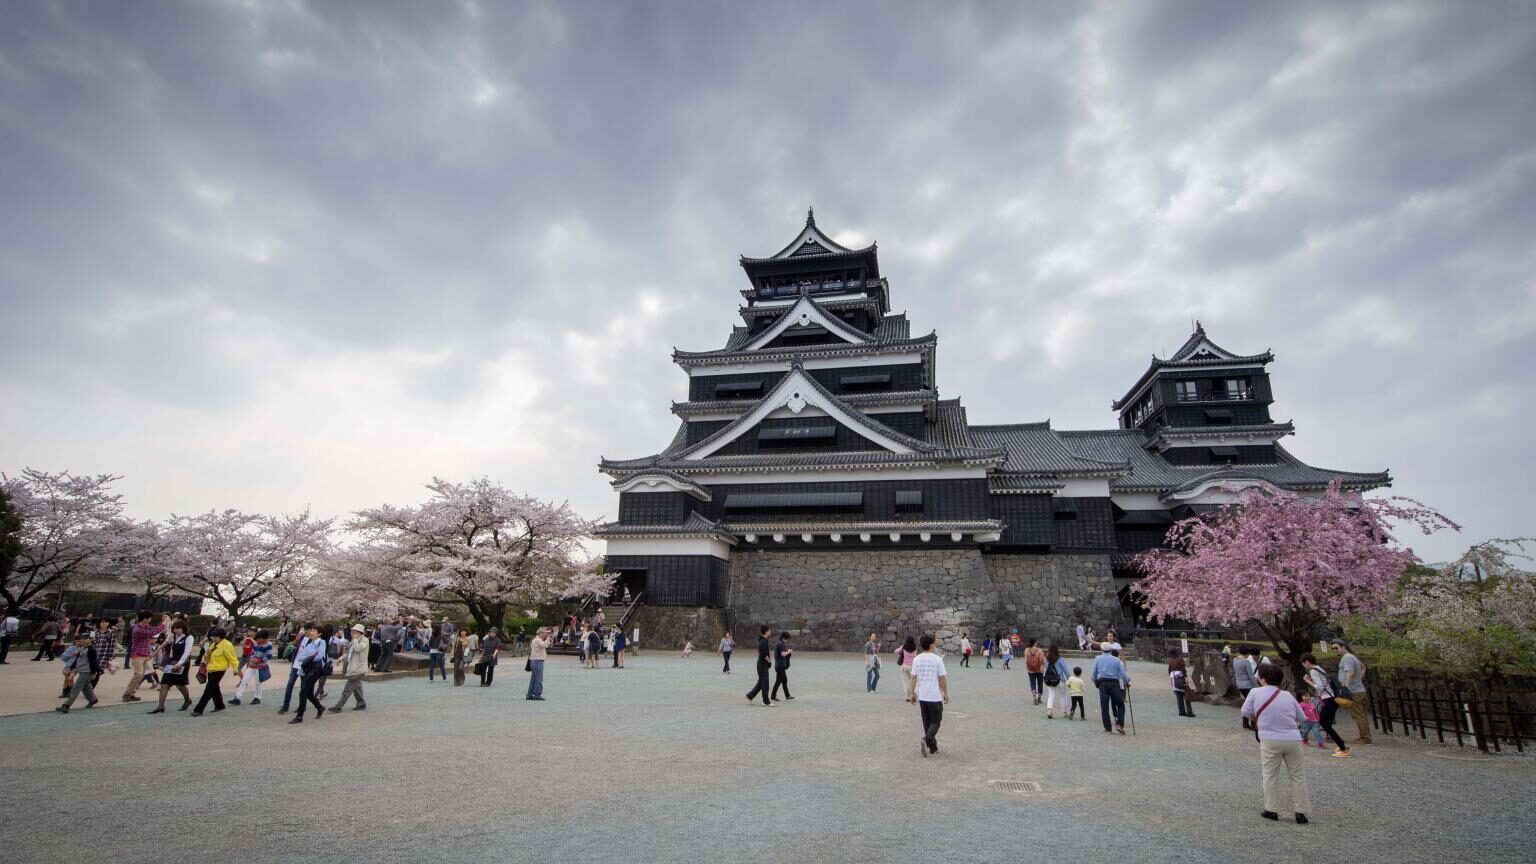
<point x="69" y="525"/>
<point x="476" y="546"/>
<point x="243" y="561"/>
<point x="143" y="555"/>
<point x="10" y="536"/>
<point x="1286" y="562"/>
<point x="1474" y="618"/>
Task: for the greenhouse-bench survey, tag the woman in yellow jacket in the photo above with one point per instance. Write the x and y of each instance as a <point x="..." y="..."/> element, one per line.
<point x="219" y="657"/>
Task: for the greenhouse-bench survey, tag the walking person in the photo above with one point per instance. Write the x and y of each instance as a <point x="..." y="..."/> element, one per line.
<point x="301" y="640"/>
<point x="764" y="649"/>
<point x="1082" y="638"/>
<point x="354" y="666"/>
<point x="1075" y="690"/>
<point x="1034" y="664"/>
<point x="727" y="645"/>
<point x="1110" y="676"/>
<point x="490" y="652"/>
<point x="330" y="639"/>
<point x="311" y="662"/>
<point x="538" y="652"/>
<point x="1179" y="678"/>
<point x="986" y="651"/>
<point x="904" y="657"/>
<point x="932" y="690"/>
<point x="218" y="658"/>
<point x="258" y="669"/>
<point x="437" y="657"/>
<point x="1352" y="676"/>
<point x="104" y="640"/>
<point x="461" y="655"/>
<point x="141" y="646"/>
<point x="86" y="665"/>
<point x="1276" y="719"/>
<point x="47" y="637"/>
<point x="1055" y="681"/>
<point x="176" y="665"/>
<point x="1327" y="692"/>
<point x="781" y="652"/>
<point x="965" y="650"/>
<point x="871" y="664"/>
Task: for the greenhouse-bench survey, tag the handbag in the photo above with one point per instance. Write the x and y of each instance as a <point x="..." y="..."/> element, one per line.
<point x="480" y="668"/>
<point x="1261" y="711"/>
<point x="528" y="665"/>
<point x="202" y="674"/>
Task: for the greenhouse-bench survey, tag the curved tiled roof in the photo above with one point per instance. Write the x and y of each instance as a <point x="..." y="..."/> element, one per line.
<point x="694" y="526"/>
<point x="1035" y="448"/>
<point x="1185" y="358"/>
<point x="876" y="347"/>
<point x="796" y="526"/>
<point x="1152" y="473"/>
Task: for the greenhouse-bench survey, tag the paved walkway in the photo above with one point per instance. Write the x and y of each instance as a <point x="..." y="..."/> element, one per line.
<point x="665" y="761"/>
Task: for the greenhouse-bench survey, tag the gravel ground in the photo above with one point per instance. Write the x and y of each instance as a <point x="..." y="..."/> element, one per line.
<point x="665" y="761"/>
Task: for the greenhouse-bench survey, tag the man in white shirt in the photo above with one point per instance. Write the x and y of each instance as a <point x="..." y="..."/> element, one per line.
<point x="8" y="627"/>
<point x="932" y="686"/>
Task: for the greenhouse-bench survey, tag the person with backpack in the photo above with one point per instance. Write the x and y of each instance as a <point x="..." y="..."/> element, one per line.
<point x="1276" y="719"/>
<point x="1055" y="680"/>
<point x="1034" y="664"/>
<point x="1328" y="689"/>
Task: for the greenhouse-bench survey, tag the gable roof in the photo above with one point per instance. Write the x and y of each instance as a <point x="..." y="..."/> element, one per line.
<point x="810" y="242"/>
<point x="805" y="313"/>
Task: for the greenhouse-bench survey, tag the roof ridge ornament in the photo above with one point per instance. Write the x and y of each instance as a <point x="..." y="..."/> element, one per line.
<point x="810" y="217"/>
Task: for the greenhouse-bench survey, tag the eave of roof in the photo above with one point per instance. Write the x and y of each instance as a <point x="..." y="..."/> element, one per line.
<point x="695" y="526"/>
<point x="704" y="358"/>
<point x="855" y="400"/>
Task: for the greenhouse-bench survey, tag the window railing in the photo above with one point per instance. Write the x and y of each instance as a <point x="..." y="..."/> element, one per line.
<point x="1215" y="396"/>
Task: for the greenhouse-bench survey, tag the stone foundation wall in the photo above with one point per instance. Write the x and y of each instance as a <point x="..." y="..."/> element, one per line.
<point x="666" y="628"/>
<point x="832" y="600"/>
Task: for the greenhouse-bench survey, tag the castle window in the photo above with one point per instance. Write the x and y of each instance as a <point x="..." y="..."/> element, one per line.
<point x="739" y="390"/>
<point x="909" y="501"/>
<point x="1218" y="417"/>
<point x="1188" y="391"/>
<point x="1224" y="454"/>
<point x="1237" y="388"/>
<point x="1066" y="510"/>
<point x="861" y="383"/>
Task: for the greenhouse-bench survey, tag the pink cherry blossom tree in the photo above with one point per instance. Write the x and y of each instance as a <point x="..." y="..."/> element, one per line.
<point x="70" y="525"/>
<point x="243" y="561"/>
<point x="1286" y="562"/>
<point x="476" y="546"/>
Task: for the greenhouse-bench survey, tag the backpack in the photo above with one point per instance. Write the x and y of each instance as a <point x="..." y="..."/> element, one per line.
<point x="1052" y="677"/>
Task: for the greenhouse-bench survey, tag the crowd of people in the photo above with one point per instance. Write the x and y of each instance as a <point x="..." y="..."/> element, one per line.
<point x="165" y="656"/>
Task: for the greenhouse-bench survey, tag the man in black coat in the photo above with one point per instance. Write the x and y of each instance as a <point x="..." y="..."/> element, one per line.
<point x="781" y="652"/>
<point x="763" y="664"/>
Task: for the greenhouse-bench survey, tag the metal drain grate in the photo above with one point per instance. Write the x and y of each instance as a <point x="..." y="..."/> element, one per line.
<point x="1015" y="785"/>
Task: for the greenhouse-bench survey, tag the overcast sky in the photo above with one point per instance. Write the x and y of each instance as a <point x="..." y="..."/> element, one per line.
<point x="278" y="255"/>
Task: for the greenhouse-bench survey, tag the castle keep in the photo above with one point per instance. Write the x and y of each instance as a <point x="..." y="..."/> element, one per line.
<point x="818" y="482"/>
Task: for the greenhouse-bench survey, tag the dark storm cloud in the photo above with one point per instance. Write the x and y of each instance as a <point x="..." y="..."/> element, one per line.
<point x="324" y="251"/>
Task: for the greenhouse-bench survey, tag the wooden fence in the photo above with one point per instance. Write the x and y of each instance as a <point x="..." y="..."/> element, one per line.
<point x="1490" y="723"/>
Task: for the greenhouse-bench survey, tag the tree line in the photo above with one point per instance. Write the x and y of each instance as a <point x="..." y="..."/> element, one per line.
<point x="474" y="546"/>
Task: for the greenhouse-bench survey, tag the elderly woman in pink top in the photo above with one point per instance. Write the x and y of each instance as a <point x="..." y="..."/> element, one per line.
<point x="1276" y="718"/>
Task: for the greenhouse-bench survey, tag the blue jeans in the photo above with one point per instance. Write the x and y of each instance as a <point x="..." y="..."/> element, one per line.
<point x="872" y="678"/>
<point x="436" y="660"/>
<point x="1111" y="696"/>
<point x="536" y="680"/>
<point x="293" y="677"/>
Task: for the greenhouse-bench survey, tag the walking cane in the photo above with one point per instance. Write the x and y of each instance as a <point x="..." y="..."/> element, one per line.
<point x="1131" y="707"/>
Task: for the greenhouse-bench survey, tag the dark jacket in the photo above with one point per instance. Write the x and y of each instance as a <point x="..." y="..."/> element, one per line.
<point x="763" y="650"/>
<point x="780" y="659"/>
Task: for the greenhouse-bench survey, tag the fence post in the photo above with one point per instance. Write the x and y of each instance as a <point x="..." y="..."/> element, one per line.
<point x="1384" y="716"/>
<point x="1477" y="725"/>
<point x="1493" y="725"/>
<point x="1434" y="705"/>
<point x="1514" y="723"/>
